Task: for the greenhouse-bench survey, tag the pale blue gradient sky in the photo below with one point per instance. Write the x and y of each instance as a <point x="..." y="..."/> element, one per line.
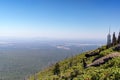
<point x="59" y="19"/>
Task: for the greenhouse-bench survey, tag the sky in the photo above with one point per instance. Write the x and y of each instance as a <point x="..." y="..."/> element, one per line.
<point x="59" y="19"/>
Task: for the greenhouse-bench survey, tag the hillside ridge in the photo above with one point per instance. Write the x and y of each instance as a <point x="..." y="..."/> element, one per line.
<point x="85" y="66"/>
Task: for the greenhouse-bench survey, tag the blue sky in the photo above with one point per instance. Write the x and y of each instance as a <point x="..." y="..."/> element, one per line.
<point x="59" y="19"/>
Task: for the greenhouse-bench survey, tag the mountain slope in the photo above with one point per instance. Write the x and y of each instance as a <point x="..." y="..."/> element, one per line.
<point x="82" y="67"/>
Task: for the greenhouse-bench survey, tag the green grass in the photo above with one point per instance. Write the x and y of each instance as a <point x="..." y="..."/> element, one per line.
<point x="72" y="68"/>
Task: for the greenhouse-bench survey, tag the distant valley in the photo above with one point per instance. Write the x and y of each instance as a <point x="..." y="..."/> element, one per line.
<point x="21" y="59"/>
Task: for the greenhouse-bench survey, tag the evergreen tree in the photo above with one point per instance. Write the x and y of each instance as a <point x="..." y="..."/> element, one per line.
<point x="114" y="40"/>
<point x="119" y="38"/>
<point x="71" y="62"/>
<point x="84" y="63"/>
<point x="56" y="70"/>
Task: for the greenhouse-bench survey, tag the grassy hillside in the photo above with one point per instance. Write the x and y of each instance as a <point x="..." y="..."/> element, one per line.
<point x="76" y="68"/>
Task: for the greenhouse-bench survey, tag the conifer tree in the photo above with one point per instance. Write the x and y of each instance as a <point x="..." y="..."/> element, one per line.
<point x="119" y="38"/>
<point x="84" y="63"/>
<point x="56" y="70"/>
<point x="71" y="62"/>
<point x="114" y="40"/>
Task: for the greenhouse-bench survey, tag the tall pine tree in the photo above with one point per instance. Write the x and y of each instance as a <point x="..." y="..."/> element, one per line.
<point x="114" y="40"/>
<point x="84" y="63"/>
<point x="119" y="38"/>
<point x="56" y="70"/>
